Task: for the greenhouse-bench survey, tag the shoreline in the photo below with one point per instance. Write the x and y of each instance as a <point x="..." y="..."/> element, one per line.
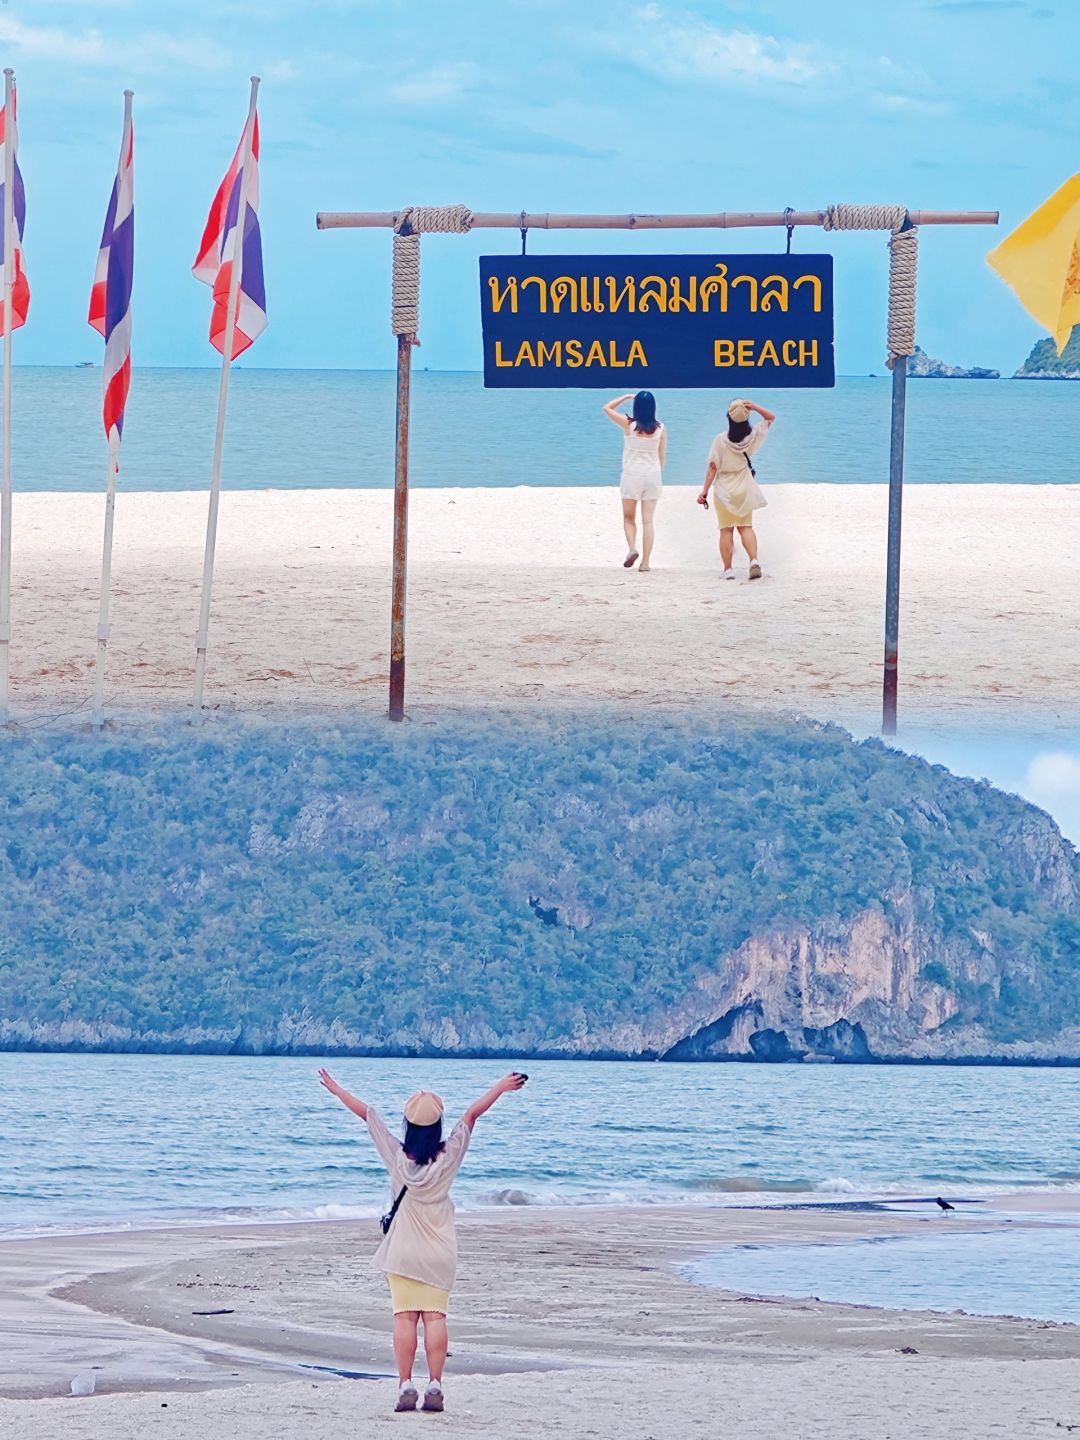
<point x="302" y="1294"/>
<point x="301" y="1052"/>
<point x="1035" y="1200"/>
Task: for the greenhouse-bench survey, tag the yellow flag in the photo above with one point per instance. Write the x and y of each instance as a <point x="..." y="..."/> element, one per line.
<point x="1040" y="260"/>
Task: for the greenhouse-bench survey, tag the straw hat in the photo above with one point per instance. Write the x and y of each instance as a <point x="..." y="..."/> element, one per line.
<point x="423" y="1108"/>
<point x="737" y="411"/>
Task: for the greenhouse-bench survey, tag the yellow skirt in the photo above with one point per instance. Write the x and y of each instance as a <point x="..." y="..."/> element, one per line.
<point x="725" y="519"/>
<point x="406" y="1294"/>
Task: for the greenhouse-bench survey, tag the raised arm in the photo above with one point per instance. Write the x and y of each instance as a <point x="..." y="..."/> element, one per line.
<point x="503" y="1087"/>
<point x="611" y="410"/>
<point x="340" y="1093"/>
<point x="766" y="415"/>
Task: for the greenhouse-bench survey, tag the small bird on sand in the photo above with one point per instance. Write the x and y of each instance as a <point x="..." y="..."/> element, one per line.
<point x="943" y="1204"/>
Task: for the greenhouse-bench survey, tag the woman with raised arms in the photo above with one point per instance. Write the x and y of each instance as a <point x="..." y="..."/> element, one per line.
<point x="419" y="1250"/>
<point x="644" y="451"/>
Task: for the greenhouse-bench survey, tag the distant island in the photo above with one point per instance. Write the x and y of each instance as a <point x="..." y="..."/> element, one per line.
<point x="743" y="889"/>
<point x="923" y="367"/>
<point x="1044" y="363"/>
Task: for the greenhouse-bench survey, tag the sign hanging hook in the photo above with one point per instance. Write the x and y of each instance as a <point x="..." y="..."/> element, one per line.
<point x="788" y="213"/>
<point x="524" y="232"/>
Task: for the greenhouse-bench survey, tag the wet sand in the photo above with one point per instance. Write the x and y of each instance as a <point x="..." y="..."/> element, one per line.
<point x="560" y="1318"/>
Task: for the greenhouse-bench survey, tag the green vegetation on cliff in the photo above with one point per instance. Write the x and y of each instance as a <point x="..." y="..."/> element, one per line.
<point x="1045" y="363"/>
<point x="568" y="887"/>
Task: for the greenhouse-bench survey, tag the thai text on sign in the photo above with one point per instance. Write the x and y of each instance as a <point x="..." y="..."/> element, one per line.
<point x="657" y="321"/>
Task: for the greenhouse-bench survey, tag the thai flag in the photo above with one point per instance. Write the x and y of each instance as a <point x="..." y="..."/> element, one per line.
<point x="110" y="298"/>
<point x="20" y="288"/>
<point x="214" y="263"/>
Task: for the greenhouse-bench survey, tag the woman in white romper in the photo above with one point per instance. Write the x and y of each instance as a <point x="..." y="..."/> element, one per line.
<point x="644" y="450"/>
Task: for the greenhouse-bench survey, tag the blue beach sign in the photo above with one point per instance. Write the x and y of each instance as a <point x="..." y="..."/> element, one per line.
<point x="657" y="321"/>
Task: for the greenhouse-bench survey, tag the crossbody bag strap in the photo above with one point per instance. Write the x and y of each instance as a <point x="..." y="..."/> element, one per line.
<point x="746" y="456"/>
<point x="388" y="1218"/>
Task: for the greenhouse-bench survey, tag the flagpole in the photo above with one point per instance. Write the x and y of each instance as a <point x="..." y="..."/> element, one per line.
<point x="5" y="490"/>
<point x="107" y="545"/>
<point x="106" y="582"/>
<point x="223" y="395"/>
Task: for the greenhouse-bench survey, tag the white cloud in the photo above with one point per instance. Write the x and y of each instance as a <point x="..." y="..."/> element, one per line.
<point x="909" y="105"/>
<point x="1053" y="782"/>
<point x="452" y="80"/>
<point x="684" y="46"/>
<point x="279" y="70"/>
<point x="92" y="47"/>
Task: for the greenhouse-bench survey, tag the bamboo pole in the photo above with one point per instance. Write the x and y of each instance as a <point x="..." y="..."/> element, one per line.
<point x="202" y="638"/>
<point x="723" y="220"/>
<point x="5" y="486"/>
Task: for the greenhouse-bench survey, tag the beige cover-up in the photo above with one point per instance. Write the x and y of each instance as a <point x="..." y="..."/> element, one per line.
<point x="739" y="491"/>
<point x="421" y="1243"/>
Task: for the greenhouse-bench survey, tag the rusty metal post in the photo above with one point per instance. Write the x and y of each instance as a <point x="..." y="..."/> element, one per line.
<point x="401" y="530"/>
<point x="892" y="570"/>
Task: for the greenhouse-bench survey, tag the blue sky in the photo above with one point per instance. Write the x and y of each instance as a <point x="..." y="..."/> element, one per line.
<point x="1045" y="772"/>
<point x="549" y="104"/>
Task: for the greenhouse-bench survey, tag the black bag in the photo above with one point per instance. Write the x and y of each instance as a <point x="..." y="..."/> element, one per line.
<point x="388" y="1219"/>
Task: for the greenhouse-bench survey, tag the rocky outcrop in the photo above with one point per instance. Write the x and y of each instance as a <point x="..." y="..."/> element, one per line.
<point x="924" y="367"/>
<point x="1044" y="363"/>
<point x="766" y="891"/>
<point x="876" y="989"/>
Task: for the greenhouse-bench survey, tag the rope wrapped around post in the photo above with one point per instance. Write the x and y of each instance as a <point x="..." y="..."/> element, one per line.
<point x="409" y="225"/>
<point x="903" y="265"/>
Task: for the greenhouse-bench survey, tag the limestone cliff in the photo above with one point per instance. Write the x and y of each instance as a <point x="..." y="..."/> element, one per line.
<point x="923" y="367"/>
<point x="763" y="890"/>
<point x="1044" y="363"/>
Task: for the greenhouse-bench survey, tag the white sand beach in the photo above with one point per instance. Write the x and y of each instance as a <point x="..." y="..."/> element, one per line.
<point x="518" y="596"/>
<point x="565" y="1322"/>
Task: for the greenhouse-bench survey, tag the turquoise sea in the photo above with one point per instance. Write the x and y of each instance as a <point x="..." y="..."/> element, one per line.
<point x="119" y="1141"/>
<point x="1030" y="1267"/>
<point x="126" y="1139"/>
<point x="334" y="429"/>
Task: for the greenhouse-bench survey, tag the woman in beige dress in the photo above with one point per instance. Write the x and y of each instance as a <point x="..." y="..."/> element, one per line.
<point x="730" y="475"/>
<point x="419" y="1250"/>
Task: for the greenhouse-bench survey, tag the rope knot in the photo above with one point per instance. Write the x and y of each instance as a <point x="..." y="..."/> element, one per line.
<point x="903" y="273"/>
<point x="903" y="265"/>
<point x="409" y="224"/>
<point x="864" y="217"/>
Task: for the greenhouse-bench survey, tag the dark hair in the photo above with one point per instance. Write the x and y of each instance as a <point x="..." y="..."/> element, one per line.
<point x="738" y="430"/>
<point x="645" y="421"/>
<point x="423" y="1142"/>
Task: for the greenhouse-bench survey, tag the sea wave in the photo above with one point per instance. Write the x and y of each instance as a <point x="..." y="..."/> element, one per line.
<point x="749" y="1185"/>
<point x="703" y="1191"/>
